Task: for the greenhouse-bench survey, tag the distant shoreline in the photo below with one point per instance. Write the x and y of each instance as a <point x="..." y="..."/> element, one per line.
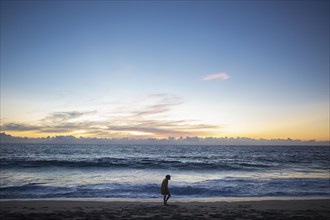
<point x="211" y="141"/>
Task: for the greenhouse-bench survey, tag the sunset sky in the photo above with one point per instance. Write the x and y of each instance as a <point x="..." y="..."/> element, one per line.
<point x="257" y="69"/>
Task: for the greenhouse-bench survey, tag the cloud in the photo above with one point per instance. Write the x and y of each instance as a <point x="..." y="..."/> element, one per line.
<point x="150" y="116"/>
<point x="157" y="104"/>
<point x="62" y="116"/>
<point x="153" y="131"/>
<point x="222" y="76"/>
<point x="19" y="127"/>
<point x="58" y="117"/>
<point x="156" y="108"/>
<point x="66" y="127"/>
<point x="164" y="128"/>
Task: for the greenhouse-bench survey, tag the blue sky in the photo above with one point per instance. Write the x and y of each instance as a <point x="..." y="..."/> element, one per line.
<point x="96" y="64"/>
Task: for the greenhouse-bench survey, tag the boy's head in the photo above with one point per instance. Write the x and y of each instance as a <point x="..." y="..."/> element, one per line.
<point x="168" y="177"/>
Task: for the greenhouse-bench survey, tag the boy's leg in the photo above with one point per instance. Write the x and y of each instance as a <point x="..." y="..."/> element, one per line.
<point x="168" y="196"/>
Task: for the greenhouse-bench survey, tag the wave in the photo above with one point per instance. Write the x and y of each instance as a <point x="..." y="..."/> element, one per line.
<point x="221" y="158"/>
<point x="135" y="163"/>
<point x="231" y="187"/>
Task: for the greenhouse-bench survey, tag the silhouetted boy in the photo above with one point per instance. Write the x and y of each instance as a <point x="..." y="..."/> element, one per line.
<point x="164" y="189"/>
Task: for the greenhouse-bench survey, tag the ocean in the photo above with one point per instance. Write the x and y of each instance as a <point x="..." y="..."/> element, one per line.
<point x="35" y="171"/>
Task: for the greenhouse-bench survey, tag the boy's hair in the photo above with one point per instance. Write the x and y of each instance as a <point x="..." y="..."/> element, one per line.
<point x="168" y="176"/>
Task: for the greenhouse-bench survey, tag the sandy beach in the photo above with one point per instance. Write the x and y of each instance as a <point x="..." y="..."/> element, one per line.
<point x="270" y="209"/>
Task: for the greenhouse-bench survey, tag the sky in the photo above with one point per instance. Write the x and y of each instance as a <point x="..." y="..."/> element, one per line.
<point x="140" y="69"/>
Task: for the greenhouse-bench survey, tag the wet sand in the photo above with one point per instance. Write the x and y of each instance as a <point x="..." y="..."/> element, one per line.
<point x="74" y="210"/>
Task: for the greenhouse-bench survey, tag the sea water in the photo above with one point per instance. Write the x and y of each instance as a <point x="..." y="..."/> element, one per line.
<point x="37" y="171"/>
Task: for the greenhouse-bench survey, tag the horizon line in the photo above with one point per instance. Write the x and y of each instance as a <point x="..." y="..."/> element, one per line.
<point x="170" y="138"/>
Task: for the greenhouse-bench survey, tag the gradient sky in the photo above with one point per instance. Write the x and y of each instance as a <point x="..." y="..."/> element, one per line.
<point x="257" y="69"/>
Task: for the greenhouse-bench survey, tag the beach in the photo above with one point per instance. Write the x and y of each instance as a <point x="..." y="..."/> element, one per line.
<point x="269" y="209"/>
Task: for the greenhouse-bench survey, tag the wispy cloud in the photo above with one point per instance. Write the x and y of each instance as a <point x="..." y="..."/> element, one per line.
<point x="149" y="118"/>
<point x="65" y="116"/>
<point x="163" y="104"/>
<point x="222" y="76"/>
<point x="19" y="127"/>
<point x="66" y="127"/>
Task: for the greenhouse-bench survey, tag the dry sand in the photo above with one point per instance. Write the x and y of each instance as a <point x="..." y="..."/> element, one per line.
<point x="276" y="209"/>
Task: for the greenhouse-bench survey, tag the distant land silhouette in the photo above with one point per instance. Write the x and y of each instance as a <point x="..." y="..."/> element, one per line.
<point x="7" y="138"/>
